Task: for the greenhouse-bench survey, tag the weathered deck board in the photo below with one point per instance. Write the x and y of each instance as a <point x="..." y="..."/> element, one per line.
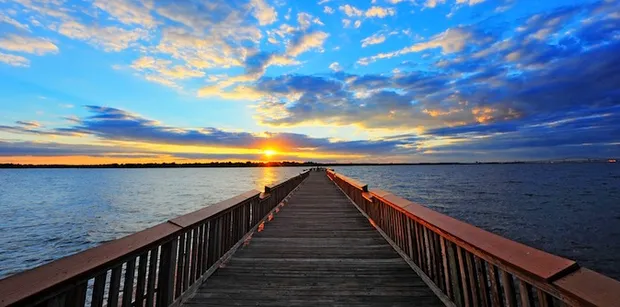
<point x="318" y="250"/>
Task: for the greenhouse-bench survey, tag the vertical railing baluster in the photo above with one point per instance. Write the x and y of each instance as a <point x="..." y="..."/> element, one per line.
<point x="206" y="248"/>
<point x="180" y="266"/>
<point x="165" y="282"/>
<point x="115" y="283"/>
<point x="427" y="253"/>
<point x="200" y="251"/>
<point x="76" y="297"/>
<point x="130" y="271"/>
<point x="509" y="289"/>
<point x="472" y="279"/>
<point x="482" y="282"/>
<point x="194" y="256"/>
<point x="419" y="240"/>
<point x="525" y="292"/>
<point x="99" y="290"/>
<point x="544" y="298"/>
<point x="187" y="258"/>
<point x="150" y="286"/>
<point x="454" y="274"/>
<point x="446" y="270"/>
<point x="463" y="273"/>
<point x="141" y="282"/>
<point x="496" y="296"/>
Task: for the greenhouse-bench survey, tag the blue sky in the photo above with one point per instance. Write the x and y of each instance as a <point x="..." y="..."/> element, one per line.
<point x="373" y="81"/>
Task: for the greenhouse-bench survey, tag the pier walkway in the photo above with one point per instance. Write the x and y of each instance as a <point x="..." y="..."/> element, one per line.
<point x="317" y="239"/>
<point x="317" y="251"/>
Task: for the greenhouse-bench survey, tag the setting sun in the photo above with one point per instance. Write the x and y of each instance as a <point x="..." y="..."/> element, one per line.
<point x="269" y="152"/>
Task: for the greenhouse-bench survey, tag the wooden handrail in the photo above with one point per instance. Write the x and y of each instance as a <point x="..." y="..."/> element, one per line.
<point x="474" y="267"/>
<point x="160" y="264"/>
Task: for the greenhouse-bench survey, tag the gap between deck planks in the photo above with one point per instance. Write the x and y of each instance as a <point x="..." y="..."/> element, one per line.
<point x="317" y="251"/>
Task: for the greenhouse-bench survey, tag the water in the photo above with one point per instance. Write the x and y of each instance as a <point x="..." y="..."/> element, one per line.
<point x="572" y="210"/>
<point x="51" y="213"/>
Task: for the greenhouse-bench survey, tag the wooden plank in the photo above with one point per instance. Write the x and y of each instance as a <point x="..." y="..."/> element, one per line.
<point x="317" y="251"/>
<point x="588" y="287"/>
<point x="454" y="274"/>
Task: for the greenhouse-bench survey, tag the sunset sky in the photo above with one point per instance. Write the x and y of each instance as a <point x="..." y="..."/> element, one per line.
<point x="324" y="80"/>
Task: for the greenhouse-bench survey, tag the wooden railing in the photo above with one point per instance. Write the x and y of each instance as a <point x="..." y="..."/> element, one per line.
<point x="159" y="266"/>
<point x="467" y="266"/>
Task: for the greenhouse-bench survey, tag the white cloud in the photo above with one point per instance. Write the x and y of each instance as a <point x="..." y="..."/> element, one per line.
<point x="127" y="12"/>
<point x="335" y="66"/>
<point x="380" y="12"/>
<point x="350" y="11"/>
<point x="357" y="24"/>
<point x="109" y="38"/>
<point x="14" y="60"/>
<point x="264" y="13"/>
<point x="450" y="41"/>
<point x="306" y="42"/>
<point x="305" y="20"/>
<point x="8" y="20"/>
<point x="328" y="10"/>
<point x="346" y="23"/>
<point x="433" y="3"/>
<point x="373" y="40"/>
<point x="469" y="2"/>
<point x="34" y="45"/>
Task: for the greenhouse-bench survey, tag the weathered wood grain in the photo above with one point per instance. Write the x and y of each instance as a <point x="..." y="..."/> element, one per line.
<point x="317" y="251"/>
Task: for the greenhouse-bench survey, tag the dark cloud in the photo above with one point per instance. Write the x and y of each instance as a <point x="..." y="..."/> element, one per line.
<point x="112" y="124"/>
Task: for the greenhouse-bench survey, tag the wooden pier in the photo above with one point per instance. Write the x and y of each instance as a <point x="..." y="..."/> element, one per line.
<point x="317" y="239"/>
<point x="318" y="250"/>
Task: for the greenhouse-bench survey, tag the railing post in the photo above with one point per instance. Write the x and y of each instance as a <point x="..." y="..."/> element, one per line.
<point x="165" y="285"/>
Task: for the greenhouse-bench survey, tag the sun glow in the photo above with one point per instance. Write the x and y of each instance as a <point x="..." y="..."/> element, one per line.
<point x="269" y="152"/>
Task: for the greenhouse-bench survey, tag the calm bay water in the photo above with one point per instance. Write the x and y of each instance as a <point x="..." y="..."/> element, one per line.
<point x="572" y="210"/>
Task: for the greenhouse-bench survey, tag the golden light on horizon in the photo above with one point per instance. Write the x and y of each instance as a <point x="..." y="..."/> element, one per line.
<point x="269" y="152"/>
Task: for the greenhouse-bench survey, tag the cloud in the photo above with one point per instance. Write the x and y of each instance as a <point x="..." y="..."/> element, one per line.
<point x="4" y="18"/>
<point x="264" y="13"/>
<point x="450" y="41"/>
<point x="109" y="38"/>
<point x="306" y="42"/>
<point x="127" y="12"/>
<point x="14" y="60"/>
<point x="373" y="40"/>
<point x="350" y="10"/>
<point x="26" y="44"/>
<point x="335" y="66"/>
<point x="116" y="125"/>
<point x="379" y="12"/>
<point x="433" y="3"/>
<point x="328" y="10"/>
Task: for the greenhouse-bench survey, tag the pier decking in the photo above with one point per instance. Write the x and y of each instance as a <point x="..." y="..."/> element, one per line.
<point x="317" y="239"/>
<point x="317" y="251"/>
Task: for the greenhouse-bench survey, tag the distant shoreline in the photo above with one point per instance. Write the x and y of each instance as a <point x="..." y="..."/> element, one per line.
<point x="275" y="164"/>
